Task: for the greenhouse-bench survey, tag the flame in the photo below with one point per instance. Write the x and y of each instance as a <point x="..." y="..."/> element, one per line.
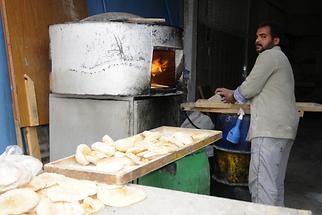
<point x="158" y="66"/>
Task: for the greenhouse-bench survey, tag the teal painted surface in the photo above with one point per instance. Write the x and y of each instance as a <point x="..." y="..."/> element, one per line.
<point x="7" y="129"/>
<point x="192" y="174"/>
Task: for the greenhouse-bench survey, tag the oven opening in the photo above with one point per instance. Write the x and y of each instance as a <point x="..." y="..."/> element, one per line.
<point x="163" y="69"/>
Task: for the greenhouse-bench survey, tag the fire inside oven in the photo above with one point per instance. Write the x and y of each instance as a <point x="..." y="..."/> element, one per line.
<point x="163" y="69"/>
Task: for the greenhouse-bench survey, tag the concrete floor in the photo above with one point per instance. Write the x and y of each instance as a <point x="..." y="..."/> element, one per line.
<point x="303" y="182"/>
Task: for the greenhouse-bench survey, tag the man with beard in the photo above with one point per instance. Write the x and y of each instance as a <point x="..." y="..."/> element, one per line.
<point x="274" y="119"/>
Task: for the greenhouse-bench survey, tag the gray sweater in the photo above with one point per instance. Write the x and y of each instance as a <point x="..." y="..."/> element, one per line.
<point x="270" y="89"/>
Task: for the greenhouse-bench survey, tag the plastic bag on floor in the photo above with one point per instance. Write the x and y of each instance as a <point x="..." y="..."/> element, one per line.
<point x="12" y="150"/>
<point x="202" y="121"/>
<point x="16" y="169"/>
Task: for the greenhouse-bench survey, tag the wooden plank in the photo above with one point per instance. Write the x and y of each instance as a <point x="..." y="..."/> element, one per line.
<point x="210" y="104"/>
<point x="31" y="132"/>
<point x="69" y="167"/>
<point x="26" y="33"/>
<point x="301" y="113"/>
<point x="213" y="110"/>
<point x="12" y="77"/>
<point x="215" y="107"/>
<point x="31" y="101"/>
<point x="309" y="107"/>
<point x="33" y="143"/>
<point x="141" y="20"/>
<point x="18" y="134"/>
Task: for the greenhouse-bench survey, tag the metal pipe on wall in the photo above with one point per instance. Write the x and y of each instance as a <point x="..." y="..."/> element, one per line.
<point x="104" y="6"/>
<point x="245" y="67"/>
<point x="190" y="45"/>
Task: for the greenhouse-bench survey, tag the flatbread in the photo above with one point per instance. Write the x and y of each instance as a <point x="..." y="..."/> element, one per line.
<point x="136" y="159"/>
<point x="107" y="139"/>
<point x="14" y="172"/>
<point x="151" y="155"/>
<point x="71" y="190"/>
<point x="151" y="136"/>
<point x="127" y="161"/>
<point x="42" y="193"/>
<point x="81" y="151"/>
<point x="120" y="197"/>
<point x="119" y="154"/>
<point x="135" y="149"/>
<point x="216" y="98"/>
<point x="184" y="138"/>
<point x="169" y="147"/>
<point x="32" y="165"/>
<point x="137" y="138"/>
<point x="110" y="186"/>
<point x="73" y="208"/>
<point x="46" y="207"/>
<point x="110" y="164"/>
<point x="91" y="206"/>
<point x="199" y="136"/>
<point x="9" y="173"/>
<point x="123" y="144"/>
<point x="45" y="180"/>
<point x="104" y="148"/>
<point x="18" y="201"/>
<point x="95" y="156"/>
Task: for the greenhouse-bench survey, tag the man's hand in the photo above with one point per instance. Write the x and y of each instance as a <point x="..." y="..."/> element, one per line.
<point x="226" y="94"/>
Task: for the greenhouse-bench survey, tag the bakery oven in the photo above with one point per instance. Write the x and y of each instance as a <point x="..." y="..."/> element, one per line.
<point x="111" y="77"/>
<point x="163" y="69"/>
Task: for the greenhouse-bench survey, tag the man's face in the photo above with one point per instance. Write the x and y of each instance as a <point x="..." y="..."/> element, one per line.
<point x="264" y="39"/>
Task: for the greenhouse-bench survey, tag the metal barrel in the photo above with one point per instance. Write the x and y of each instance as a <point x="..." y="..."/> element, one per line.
<point x="231" y="161"/>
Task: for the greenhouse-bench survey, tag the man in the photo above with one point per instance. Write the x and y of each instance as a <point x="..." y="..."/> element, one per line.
<point x="274" y="119"/>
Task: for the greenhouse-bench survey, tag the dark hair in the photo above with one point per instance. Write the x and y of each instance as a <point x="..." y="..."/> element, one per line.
<point x="276" y="30"/>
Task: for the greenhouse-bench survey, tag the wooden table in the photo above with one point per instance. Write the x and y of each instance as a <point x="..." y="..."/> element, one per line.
<point x="203" y="105"/>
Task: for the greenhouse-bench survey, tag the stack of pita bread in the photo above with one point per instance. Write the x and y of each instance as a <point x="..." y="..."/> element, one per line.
<point x="51" y="193"/>
<point x="112" y="156"/>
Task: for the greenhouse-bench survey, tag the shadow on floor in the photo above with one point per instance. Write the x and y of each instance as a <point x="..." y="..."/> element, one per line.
<point x="231" y="192"/>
